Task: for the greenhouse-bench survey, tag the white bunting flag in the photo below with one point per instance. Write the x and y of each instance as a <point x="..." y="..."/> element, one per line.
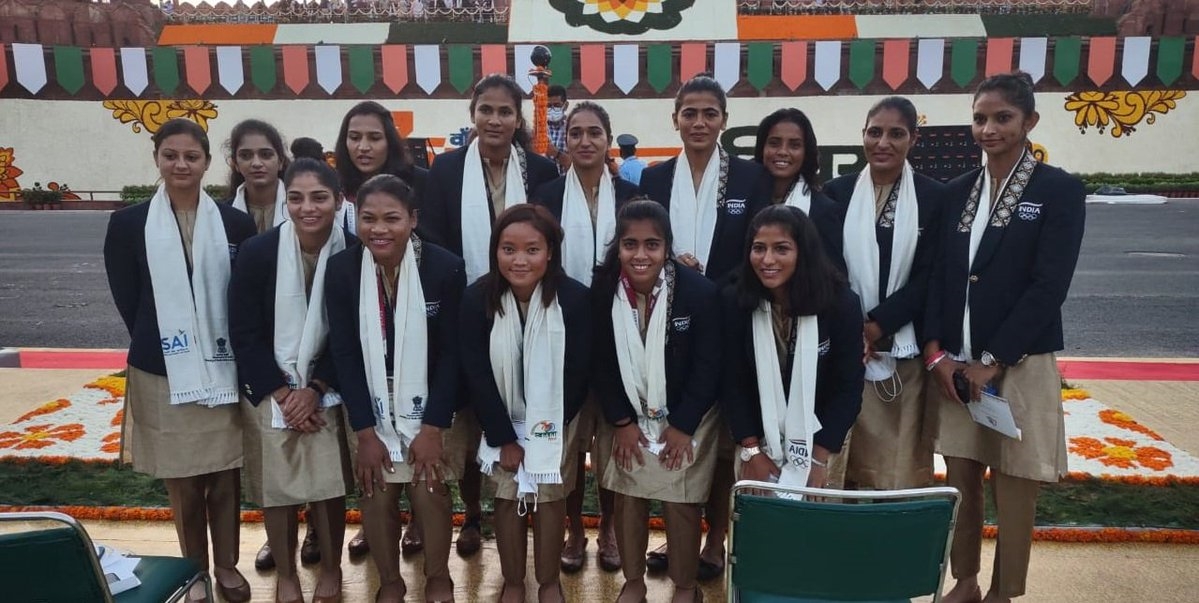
<point x="427" y="59"/>
<point x="727" y="61"/>
<point x="133" y="68"/>
<point x="328" y="67"/>
<point x="828" y="63"/>
<point x="522" y="62"/>
<point x="625" y="67"/>
<point x="1136" y="59"/>
<point x="930" y="61"/>
<point x="1032" y="57"/>
<point x="30" y="65"/>
<point x="230" y="72"/>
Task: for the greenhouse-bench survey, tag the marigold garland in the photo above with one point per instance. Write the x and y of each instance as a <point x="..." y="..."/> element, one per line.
<point x="45" y="409"/>
<point x="40" y="436"/>
<point x="1122" y="420"/>
<point x="1072" y="393"/>
<point x="115" y="386"/>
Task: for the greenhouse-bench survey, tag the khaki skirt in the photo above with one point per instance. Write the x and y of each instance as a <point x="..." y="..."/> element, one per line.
<point x="286" y="467"/>
<point x="892" y="447"/>
<point x="594" y="436"/>
<point x="1033" y="388"/>
<point x="169" y="441"/>
<point x="453" y="446"/>
<point x="505" y="481"/>
<point x="688" y="484"/>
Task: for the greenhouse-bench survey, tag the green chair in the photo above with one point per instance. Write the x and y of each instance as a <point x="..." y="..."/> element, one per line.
<point x="57" y="563"/>
<point x="888" y="547"/>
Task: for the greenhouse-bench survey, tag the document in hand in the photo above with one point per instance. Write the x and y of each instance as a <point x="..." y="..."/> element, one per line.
<point x="994" y="412"/>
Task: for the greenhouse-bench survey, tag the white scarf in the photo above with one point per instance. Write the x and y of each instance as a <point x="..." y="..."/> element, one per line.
<point x="397" y="420"/>
<point x="643" y="363"/>
<point x="301" y="325"/>
<point x="982" y="218"/>
<point x="790" y="447"/>
<point x="862" y="258"/>
<point x="476" y="206"/>
<point x="584" y="245"/>
<point x="799" y="196"/>
<point x="193" y="314"/>
<point x="528" y="364"/>
<point x="693" y="214"/>
<point x="239" y="202"/>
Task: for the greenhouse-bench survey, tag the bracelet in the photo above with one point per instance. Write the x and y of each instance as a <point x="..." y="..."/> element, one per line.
<point x="937" y="358"/>
<point x="819" y="463"/>
<point x="315" y="388"/>
<point x="626" y="423"/>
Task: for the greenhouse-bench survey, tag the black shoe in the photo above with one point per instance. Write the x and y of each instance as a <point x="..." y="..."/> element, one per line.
<point x="358" y="545"/>
<point x="656" y="562"/>
<point x="708" y="571"/>
<point x="310" y="551"/>
<point x="264" y="561"/>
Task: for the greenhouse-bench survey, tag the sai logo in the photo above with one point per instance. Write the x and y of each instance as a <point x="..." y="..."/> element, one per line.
<point x="544" y="429"/>
<point x="179" y="344"/>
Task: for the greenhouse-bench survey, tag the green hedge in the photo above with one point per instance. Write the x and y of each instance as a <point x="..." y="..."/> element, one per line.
<point x="132" y="194"/>
<point x="1147" y="182"/>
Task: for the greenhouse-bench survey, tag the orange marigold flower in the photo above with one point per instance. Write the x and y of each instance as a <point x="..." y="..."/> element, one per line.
<point x="45" y="409"/>
<point x="111" y="443"/>
<point x="118" y="418"/>
<point x="1075" y="394"/>
<point x="1118" y="452"/>
<point x="41" y="436"/>
<point x="1115" y="417"/>
<point x="115" y="386"/>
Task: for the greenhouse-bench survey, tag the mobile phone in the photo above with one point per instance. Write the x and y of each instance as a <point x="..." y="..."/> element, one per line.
<point x="961" y="386"/>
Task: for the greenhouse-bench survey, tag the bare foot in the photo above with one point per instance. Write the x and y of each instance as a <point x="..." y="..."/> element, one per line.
<point x="288" y="589"/>
<point x="328" y="585"/>
<point x="687" y="595"/>
<point x="512" y="593"/>
<point x="392" y="592"/>
<point x="993" y="597"/>
<point x="965" y="591"/>
<point x="439" y="589"/>
<point x="634" y="591"/>
<point x="550" y="593"/>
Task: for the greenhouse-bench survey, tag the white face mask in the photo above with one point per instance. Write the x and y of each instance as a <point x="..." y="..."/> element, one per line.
<point x="555" y="114"/>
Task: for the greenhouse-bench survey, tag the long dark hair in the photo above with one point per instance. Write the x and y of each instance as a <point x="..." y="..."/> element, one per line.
<point x="238" y="135"/>
<point x="521" y="136"/>
<point x="543" y="222"/>
<point x="810" y="168"/>
<point x="816" y="283"/>
<point x="399" y="162"/>
<point x="637" y="209"/>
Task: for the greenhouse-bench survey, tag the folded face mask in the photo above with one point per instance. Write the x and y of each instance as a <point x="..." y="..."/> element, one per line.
<point x="880" y="368"/>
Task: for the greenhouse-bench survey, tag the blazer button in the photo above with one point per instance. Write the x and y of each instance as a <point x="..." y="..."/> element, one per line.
<point x="974" y="278"/>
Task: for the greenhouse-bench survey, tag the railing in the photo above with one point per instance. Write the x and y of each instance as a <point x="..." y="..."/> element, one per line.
<point x="362" y="11"/>
<point x="860" y="7"/>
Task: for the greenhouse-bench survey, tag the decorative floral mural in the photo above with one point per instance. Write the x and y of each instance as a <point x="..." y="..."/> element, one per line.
<point x="1122" y="111"/>
<point x="623" y="16"/>
<point x="9" y="187"/>
<point x="151" y="114"/>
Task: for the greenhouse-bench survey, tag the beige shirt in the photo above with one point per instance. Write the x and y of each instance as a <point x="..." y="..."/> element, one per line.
<point x="264" y="216"/>
<point x="310" y="260"/>
<point x="187" y="228"/>
<point x="498" y="189"/>
<point x="882" y="192"/>
<point x="782" y="333"/>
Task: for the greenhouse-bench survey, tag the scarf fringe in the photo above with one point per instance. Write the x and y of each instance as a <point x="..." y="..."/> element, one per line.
<point x="221" y="398"/>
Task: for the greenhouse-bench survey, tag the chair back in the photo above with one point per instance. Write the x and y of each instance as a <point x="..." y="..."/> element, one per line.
<point x="891" y="545"/>
<point x="51" y="563"/>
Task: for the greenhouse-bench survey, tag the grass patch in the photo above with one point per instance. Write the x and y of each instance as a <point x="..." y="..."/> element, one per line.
<point x="1071" y="503"/>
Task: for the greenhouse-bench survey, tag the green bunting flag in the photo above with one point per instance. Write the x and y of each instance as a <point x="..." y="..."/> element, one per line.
<point x="68" y="67"/>
<point x="166" y="68"/>
<point x="262" y="68"/>
<point x="963" y="61"/>
<point x="657" y="66"/>
<point x="362" y="67"/>
<point x="561" y="64"/>
<point x="1067" y="57"/>
<point x="861" y="62"/>
<point x="462" y="66"/>
<point x="760" y="64"/>
<point x="1169" y="59"/>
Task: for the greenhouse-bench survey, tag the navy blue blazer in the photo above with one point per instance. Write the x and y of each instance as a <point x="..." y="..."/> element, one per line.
<point x="550" y="194"/>
<point x="475" y="329"/>
<point x="907" y="304"/>
<point x="693" y="352"/>
<point x="252" y="319"/>
<point x="442" y="277"/>
<point x="441" y="205"/>
<point x="129" y="277"/>
<point x="748" y="184"/>
<point x="1020" y="275"/>
<point x="839" y="370"/>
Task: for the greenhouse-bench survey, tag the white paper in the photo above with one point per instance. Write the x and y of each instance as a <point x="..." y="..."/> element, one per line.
<point x="994" y="413"/>
<point x="118" y="569"/>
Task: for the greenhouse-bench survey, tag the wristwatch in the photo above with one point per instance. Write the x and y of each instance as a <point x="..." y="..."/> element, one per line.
<point x="988" y="360"/>
<point x="749" y="453"/>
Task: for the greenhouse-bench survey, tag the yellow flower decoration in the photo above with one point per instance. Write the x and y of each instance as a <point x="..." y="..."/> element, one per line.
<point x="1122" y="110"/>
<point x="151" y="114"/>
<point x="115" y="386"/>
<point x="1118" y="452"/>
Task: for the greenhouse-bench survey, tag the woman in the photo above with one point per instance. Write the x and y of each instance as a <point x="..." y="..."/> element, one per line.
<point x="710" y="194"/>
<point x="585" y="201"/>
<point x="369" y="144"/>
<point x="786" y="147"/>
<point x="1011" y="239"/>
<point x="711" y="197"/>
<point x="526" y="347"/>
<point x="278" y="329"/>
<point x="393" y="307"/>
<point x="468" y="188"/>
<point x="168" y="264"/>
<point x="794" y="385"/>
<point x="892" y="219"/>
<point x="259" y="161"/>
<point x="657" y="368"/>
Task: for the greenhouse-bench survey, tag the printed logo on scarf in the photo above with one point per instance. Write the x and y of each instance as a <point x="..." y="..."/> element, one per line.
<point x="547" y="430"/>
<point x="178" y="344"/>
<point x="432" y="309"/>
<point x="222" y="350"/>
<point x="824" y="347"/>
<point x="797" y="452"/>
<point x="418" y="409"/>
<point x="735" y="207"/>
<point x="1028" y="211"/>
<point x="681" y="324"/>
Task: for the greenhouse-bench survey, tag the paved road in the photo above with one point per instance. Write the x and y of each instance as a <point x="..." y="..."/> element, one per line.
<point x="1130" y="297"/>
